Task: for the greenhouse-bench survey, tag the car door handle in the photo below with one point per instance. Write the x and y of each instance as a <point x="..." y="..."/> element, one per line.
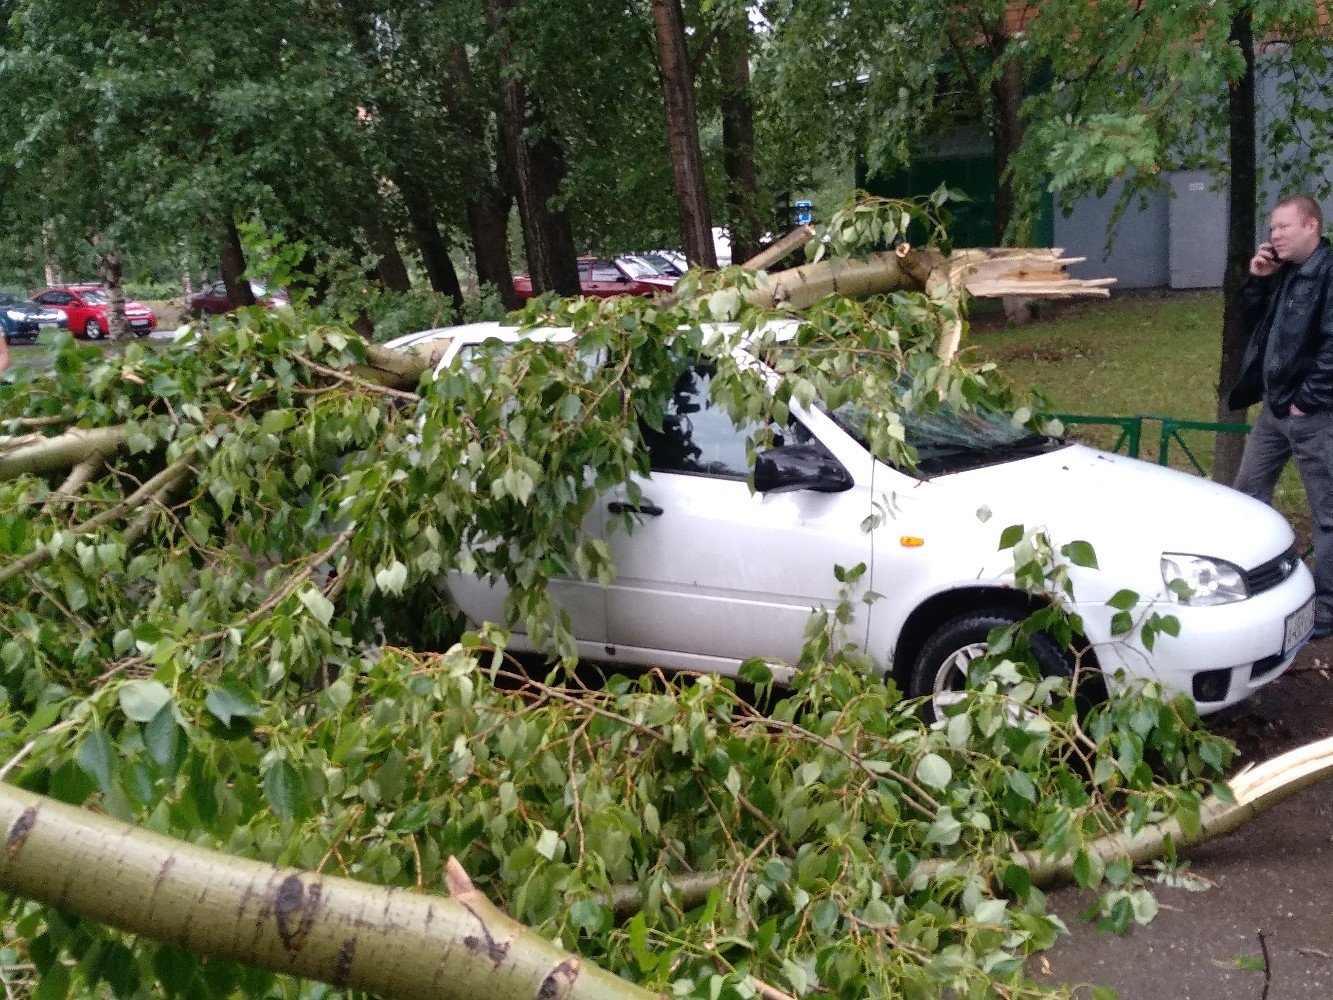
<point x="620" y="507"/>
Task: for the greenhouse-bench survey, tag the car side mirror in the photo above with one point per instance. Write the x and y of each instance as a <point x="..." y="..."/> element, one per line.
<point x="799" y="467"/>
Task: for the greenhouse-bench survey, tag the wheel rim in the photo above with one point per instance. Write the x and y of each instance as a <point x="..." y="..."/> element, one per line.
<point x="92" y="331"/>
<point x="950" y="686"/>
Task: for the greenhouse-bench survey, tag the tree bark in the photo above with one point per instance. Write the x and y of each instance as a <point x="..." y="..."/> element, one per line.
<point x="487" y="207"/>
<point x="111" y="266"/>
<point x="1242" y="197"/>
<point x="430" y="241"/>
<point x="539" y="170"/>
<point x="392" y="943"/>
<point x="233" y="266"/>
<point x="738" y="141"/>
<point x="390" y="270"/>
<point x="687" y="166"/>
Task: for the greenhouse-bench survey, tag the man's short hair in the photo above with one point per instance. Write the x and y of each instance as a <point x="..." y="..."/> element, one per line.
<point x="1305" y="204"/>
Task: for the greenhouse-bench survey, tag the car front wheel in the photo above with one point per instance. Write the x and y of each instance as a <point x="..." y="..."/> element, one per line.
<point x="92" y="331"/>
<point x="940" y="671"/>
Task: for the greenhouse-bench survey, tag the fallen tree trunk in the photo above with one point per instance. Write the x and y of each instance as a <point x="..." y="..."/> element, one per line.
<point x="393" y="943"/>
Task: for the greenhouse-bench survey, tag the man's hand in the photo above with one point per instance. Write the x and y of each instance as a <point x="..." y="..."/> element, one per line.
<point x="1264" y="262"/>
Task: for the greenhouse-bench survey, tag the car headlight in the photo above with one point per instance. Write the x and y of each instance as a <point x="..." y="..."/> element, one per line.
<point x="1205" y="581"/>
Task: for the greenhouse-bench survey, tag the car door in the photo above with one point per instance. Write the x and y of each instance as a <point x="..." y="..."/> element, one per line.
<point x="712" y="569"/>
<point x="605" y="280"/>
<point x="584" y="601"/>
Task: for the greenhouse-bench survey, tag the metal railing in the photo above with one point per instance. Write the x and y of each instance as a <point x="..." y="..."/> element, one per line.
<point x="1130" y="440"/>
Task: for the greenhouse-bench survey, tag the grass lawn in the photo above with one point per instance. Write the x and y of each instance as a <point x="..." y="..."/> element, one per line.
<point x="1151" y="353"/>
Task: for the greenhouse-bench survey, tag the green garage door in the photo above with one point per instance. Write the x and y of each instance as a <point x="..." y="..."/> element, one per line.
<point x="971" y="173"/>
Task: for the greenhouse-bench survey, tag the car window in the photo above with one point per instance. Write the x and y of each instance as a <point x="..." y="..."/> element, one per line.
<point x="636" y="267"/>
<point x="56" y="298"/>
<point x="95" y="298"/>
<point x="6" y="299"/>
<point x="602" y="271"/>
<point x="699" y="437"/>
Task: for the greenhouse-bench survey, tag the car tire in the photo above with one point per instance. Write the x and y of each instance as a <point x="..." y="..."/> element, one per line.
<point x="941" y="666"/>
<point x="91" y="331"/>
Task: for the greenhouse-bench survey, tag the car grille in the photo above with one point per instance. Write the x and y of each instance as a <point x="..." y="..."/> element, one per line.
<point x="1268" y="575"/>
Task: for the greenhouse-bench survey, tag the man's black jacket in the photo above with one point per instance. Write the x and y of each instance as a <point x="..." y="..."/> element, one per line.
<point x="1292" y="309"/>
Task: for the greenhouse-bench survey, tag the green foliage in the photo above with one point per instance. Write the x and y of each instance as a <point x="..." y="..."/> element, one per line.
<point x="223" y="663"/>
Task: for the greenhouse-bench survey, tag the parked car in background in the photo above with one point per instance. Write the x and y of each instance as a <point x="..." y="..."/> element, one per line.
<point x="21" y="320"/>
<point x="602" y="279"/>
<point x="214" y="301"/>
<point x="651" y="265"/>
<point x="85" y="308"/>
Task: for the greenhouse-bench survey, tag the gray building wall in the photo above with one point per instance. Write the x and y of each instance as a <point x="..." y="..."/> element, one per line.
<point x="1178" y="236"/>
<point x="1136" y="258"/>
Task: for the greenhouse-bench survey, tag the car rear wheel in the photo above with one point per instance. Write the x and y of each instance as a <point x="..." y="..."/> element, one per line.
<point x="940" y="672"/>
<point x="92" y="331"/>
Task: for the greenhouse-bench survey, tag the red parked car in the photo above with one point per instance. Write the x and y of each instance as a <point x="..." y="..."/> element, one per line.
<point x="601" y="279"/>
<point x="85" y="306"/>
<point x="214" y="301"/>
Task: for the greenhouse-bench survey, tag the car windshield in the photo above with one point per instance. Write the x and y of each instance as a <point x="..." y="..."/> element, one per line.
<point x="94" y="298"/>
<point x="636" y="267"/>
<point x="663" y="265"/>
<point x="949" y="441"/>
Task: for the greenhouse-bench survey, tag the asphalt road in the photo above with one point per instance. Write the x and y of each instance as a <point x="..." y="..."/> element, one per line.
<point x="1273" y="877"/>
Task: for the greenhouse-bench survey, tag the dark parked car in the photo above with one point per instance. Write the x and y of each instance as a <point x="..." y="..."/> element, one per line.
<point x="214" y="301"/>
<point x="601" y="279"/>
<point x="21" y="320"/>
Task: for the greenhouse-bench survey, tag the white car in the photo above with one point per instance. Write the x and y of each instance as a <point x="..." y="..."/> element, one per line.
<point x="717" y="571"/>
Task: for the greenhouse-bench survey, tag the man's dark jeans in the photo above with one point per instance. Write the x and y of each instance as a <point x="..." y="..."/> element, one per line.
<point x="1308" y="439"/>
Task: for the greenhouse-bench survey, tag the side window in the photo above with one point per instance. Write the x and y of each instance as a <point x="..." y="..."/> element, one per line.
<point x="56" y="298"/>
<point x="697" y="436"/>
<point x="602" y="271"/>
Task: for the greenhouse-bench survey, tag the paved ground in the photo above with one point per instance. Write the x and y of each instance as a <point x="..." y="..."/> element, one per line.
<point x="1273" y="877"/>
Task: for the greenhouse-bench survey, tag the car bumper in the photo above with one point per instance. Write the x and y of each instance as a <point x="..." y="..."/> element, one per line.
<point x="1222" y="655"/>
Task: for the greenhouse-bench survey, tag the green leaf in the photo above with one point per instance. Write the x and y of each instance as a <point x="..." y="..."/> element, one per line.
<point x="1011" y="536"/>
<point x="284" y="790"/>
<point x="1251" y="963"/>
<point x="97" y="757"/>
<point x="1123" y="600"/>
<point x="319" y="606"/>
<point x="1080" y="553"/>
<point x="390" y="579"/>
<point x="230" y="702"/>
<point x="162" y="736"/>
<point x="934" y="771"/>
<point x="142" y="700"/>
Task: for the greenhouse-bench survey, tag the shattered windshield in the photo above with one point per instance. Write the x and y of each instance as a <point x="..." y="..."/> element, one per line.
<point x="946" y="440"/>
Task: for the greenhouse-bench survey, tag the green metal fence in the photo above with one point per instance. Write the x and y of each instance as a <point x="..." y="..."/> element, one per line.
<point x="1131" y="436"/>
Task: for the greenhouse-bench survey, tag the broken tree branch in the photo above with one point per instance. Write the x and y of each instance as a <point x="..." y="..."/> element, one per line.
<point x="37" y="455"/>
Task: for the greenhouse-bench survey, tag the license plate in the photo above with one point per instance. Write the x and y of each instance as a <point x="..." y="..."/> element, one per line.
<point x="138" y="322"/>
<point x="1299" y="624"/>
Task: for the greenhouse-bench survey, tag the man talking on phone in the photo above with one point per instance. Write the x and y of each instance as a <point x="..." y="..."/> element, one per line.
<point x="1288" y="367"/>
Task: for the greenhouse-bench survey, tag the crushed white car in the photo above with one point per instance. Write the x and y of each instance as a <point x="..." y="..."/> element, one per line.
<point x="727" y="561"/>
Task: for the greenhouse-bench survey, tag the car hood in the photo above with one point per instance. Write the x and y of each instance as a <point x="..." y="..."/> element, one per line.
<point x="31" y="310"/>
<point x="1123" y="506"/>
<point x="137" y="308"/>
